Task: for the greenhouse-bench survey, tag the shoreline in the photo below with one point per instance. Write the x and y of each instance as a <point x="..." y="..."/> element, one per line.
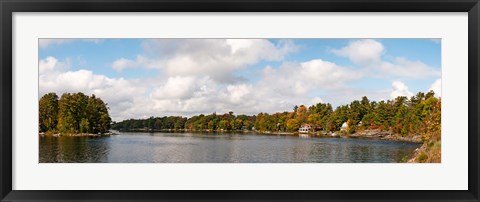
<point x="43" y="134"/>
<point x="387" y="135"/>
<point x="366" y="134"/>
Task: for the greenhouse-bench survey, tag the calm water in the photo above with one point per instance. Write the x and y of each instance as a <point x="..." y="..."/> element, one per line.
<point x="223" y="148"/>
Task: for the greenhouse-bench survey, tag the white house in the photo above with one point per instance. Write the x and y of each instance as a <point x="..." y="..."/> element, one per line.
<point x="305" y="128"/>
<point x="344" y="126"/>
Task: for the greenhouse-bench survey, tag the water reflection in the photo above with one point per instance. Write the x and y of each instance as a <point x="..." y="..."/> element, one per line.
<point x="74" y="149"/>
<point x="219" y="148"/>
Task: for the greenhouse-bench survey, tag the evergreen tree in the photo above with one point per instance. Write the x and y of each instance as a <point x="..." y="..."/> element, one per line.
<point x="48" y="112"/>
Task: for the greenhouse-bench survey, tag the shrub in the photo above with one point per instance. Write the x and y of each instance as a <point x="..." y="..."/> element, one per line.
<point x="422" y="157"/>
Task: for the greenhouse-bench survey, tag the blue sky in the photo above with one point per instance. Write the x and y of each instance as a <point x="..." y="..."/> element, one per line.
<point x="156" y="77"/>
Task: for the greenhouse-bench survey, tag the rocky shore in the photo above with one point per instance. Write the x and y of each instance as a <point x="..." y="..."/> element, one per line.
<point x="387" y="135"/>
<point x="373" y="134"/>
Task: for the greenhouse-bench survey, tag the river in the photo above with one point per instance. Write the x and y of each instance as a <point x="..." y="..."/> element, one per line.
<point x="219" y="148"/>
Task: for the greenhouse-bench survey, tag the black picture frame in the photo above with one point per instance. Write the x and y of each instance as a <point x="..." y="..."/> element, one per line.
<point x="8" y="7"/>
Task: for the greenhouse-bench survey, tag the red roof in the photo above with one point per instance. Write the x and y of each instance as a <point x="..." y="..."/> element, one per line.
<point x="306" y="125"/>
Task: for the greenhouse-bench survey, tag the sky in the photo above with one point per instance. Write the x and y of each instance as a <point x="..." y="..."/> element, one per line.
<point x="139" y="78"/>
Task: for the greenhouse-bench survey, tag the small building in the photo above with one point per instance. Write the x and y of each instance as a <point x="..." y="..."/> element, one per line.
<point x="317" y="128"/>
<point x="344" y="126"/>
<point x="305" y="128"/>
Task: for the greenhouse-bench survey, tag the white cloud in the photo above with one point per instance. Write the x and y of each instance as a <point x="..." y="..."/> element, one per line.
<point x="219" y="58"/>
<point x="50" y="64"/>
<point x="215" y="58"/>
<point x="140" y="61"/>
<point x="363" y="52"/>
<point x="298" y="79"/>
<point x="278" y="89"/>
<point x="368" y="54"/>
<point x="176" y="88"/>
<point x="409" y="69"/>
<point x="122" y="63"/>
<point x="400" y="89"/>
<point x="255" y="49"/>
<point x="239" y="93"/>
<point x="113" y="90"/>
<point x="436" y="87"/>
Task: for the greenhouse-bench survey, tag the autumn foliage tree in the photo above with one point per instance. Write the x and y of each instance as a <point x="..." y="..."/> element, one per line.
<point x="73" y="113"/>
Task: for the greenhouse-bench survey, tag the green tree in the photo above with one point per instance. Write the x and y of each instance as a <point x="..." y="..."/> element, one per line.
<point x="48" y="112"/>
<point x="79" y="113"/>
<point x="101" y="118"/>
<point x="71" y="110"/>
<point x="223" y="125"/>
<point x="292" y="125"/>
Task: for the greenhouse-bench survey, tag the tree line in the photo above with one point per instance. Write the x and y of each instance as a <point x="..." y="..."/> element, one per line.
<point x="419" y="114"/>
<point x="73" y="113"/>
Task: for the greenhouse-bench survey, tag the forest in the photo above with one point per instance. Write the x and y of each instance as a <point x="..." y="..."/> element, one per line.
<point x="417" y="115"/>
<point x="73" y="113"/>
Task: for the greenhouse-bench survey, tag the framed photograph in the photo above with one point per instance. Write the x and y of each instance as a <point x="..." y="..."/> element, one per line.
<point x="239" y="101"/>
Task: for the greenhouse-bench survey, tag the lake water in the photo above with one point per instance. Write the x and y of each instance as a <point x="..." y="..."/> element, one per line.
<point x="219" y="148"/>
